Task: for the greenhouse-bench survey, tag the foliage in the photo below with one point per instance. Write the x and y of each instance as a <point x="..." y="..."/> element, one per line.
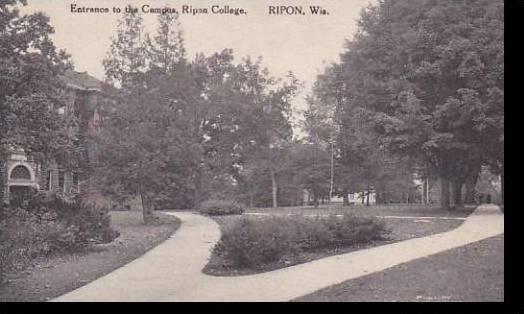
<point x="426" y="80"/>
<point x="46" y="225"/>
<point x="93" y="224"/>
<point x="361" y="163"/>
<point x="266" y="137"/>
<point x="30" y="69"/>
<point x="126" y="60"/>
<point x="220" y="207"/>
<point x="184" y="128"/>
<point x="166" y="49"/>
<point x="139" y="135"/>
<point x="310" y="168"/>
<point x="256" y="243"/>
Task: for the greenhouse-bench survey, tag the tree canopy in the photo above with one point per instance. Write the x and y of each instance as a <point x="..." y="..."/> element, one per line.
<point x="185" y="129"/>
<point x="30" y="94"/>
<point x="427" y="78"/>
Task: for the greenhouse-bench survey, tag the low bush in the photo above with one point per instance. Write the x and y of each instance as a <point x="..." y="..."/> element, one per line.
<point x="220" y="207"/>
<point x="254" y="243"/>
<point x="46" y="225"/>
<point x="251" y="243"/>
<point x="90" y="224"/>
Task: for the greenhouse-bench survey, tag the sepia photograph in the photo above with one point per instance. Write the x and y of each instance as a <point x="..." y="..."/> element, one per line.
<point x="252" y="151"/>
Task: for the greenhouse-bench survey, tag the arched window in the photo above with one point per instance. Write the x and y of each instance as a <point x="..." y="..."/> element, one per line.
<point x="20" y="172"/>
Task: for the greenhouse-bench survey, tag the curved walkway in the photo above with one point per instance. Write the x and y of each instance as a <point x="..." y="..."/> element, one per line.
<point x="172" y="270"/>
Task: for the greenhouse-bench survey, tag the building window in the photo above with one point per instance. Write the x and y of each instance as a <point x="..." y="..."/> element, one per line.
<point x="49" y="181"/>
<point x="20" y="172"/>
<point x="76" y="182"/>
<point x="61" y="180"/>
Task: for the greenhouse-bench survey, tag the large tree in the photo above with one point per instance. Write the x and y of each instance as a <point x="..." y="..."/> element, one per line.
<point x="166" y="49"/>
<point x="141" y="132"/>
<point x="183" y="126"/>
<point x="266" y="129"/>
<point x="310" y="168"/>
<point x="431" y="73"/>
<point x="337" y="114"/>
<point x="30" y="84"/>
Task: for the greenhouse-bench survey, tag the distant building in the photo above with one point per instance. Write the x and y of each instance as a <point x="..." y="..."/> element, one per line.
<point x="362" y="198"/>
<point x="353" y="198"/>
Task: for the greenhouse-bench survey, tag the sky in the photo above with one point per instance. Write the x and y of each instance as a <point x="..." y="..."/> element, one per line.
<point x="301" y="44"/>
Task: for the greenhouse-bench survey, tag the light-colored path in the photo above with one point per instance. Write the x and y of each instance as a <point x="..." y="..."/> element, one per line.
<point x="172" y="270"/>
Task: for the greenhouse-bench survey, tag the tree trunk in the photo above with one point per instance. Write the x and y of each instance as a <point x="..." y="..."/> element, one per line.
<point x="346" y="197"/>
<point x="502" y="185"/>
<point x="274" y="187"/>
<point x="428" y="194"/>
<point x="367" y="197"/>
<point x="457" y="193"/>
<point x="444" y="194"/>
<point x="380" y="193"/>
<point x="147" y="208"/>
<point x="470" y="184"/>
<point x="425" y="188"/>
<point x="197" y="197"/>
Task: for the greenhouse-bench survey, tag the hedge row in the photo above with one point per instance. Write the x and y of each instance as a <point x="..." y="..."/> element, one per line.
<point x="253" y="243"/>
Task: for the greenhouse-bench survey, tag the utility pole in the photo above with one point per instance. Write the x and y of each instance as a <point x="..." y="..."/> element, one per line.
<point x="332" y="169"/>
<point x="428" y="198"/>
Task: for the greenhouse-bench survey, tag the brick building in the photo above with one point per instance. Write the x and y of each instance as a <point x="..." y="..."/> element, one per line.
<point x="20" y="172"/>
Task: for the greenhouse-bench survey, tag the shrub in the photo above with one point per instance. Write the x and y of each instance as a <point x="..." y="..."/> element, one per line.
<point x="313" y="233"/>
<point x="255" y="243"/>
<point x="221" y="207"/>
<point x="86" y="224"/>
<point x="49" y="224"/>
<point x="352" y="230"/>
<point x="252" y="243"/>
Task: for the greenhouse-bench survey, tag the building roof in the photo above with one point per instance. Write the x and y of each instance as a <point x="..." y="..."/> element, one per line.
<point x="82" y="81"/>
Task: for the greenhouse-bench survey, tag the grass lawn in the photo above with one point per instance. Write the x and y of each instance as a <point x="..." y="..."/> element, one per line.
<point x="471" y="273"/>
<point x="401" y="229"/>
<point x="417" y="210"/>
<point x="51" y="277"/>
